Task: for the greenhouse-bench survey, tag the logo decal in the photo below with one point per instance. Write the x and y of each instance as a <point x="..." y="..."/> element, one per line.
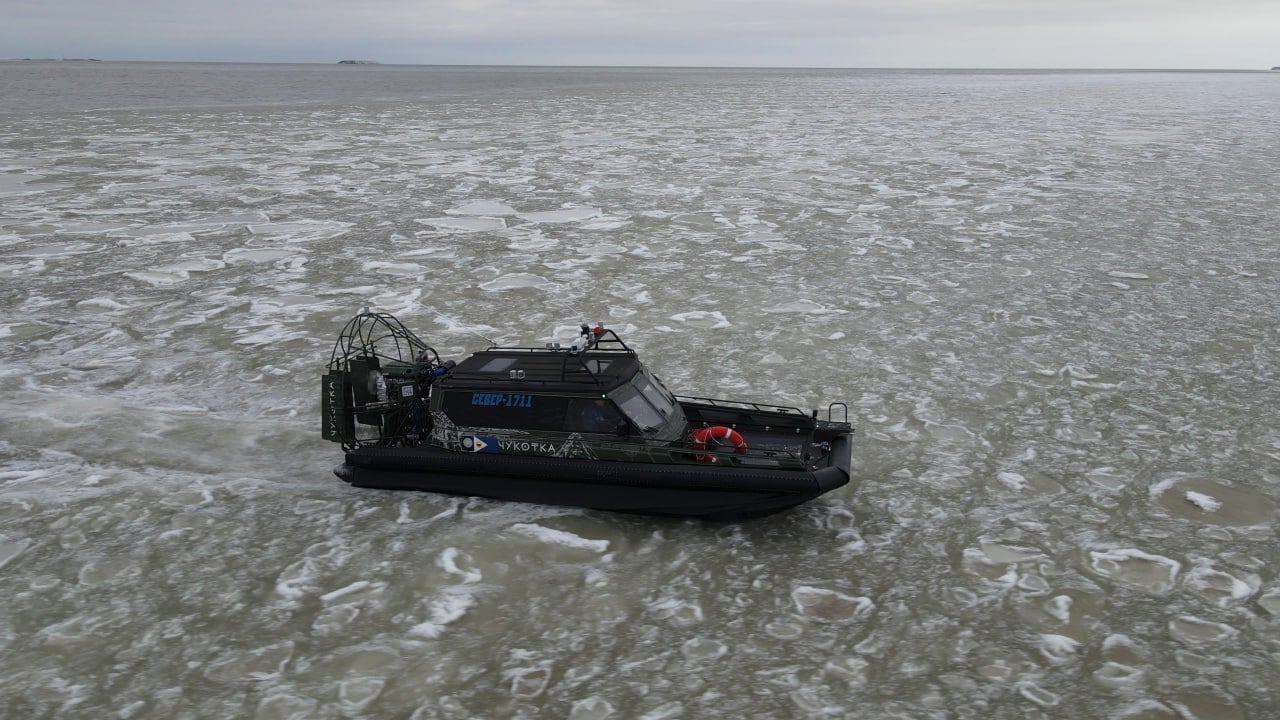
<point x="478" y="443"/>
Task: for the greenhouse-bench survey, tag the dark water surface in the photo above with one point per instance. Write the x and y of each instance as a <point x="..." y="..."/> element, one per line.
<point x="1050" y="300"/>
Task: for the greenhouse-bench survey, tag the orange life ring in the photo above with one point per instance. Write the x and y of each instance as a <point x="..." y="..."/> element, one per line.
<point x="715" y="436"/>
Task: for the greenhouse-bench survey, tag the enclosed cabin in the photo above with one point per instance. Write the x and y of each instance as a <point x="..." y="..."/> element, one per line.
<point x="596" y="387"/>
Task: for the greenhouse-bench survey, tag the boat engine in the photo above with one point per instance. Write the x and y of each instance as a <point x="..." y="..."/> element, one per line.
<point x="378" y="386"/>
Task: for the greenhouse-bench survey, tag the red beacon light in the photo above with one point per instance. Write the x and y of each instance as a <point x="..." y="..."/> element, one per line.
<point x="588" y="337"/>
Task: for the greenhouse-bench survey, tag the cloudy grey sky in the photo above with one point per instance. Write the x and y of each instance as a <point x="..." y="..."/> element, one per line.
<point x="792" y="33"/>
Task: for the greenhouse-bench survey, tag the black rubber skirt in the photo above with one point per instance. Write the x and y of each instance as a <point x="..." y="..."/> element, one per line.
<point x="703" y="491"/>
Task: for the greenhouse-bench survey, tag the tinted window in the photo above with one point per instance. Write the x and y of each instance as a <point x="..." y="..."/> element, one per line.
<point x="653" y="392"/>
<point x="632" y="402"/>
<point x="593" y="415"/>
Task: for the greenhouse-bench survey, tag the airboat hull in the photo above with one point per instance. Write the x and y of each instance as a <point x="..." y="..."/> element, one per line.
<point x="679" y="490"/>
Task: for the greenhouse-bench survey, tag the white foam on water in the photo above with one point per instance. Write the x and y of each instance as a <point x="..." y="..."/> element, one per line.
<point x="1206" y="503"/>
<point x="444" y="610"/>
<point x="562" y="538"/>
<point x="1012" y="480"/>
<point x="101" y="303"/>
<point x="1059" y="607"/>
<point x="679" y="611"/>
<point x="448" y="561"/>
<point x="345" y="591"/>
<point x="1058" y="649"/>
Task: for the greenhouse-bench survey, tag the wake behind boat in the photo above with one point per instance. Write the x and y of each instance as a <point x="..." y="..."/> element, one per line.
<point x="586" y="425"/>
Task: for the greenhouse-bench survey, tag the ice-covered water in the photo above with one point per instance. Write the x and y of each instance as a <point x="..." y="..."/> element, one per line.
<point x="1050" y="300"/>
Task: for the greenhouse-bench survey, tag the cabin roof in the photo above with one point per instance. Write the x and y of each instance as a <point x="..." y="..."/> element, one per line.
<point x="543" y="370"/>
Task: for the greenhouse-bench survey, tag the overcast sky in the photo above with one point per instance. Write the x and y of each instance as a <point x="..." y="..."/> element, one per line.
<point x="790" y="33"/>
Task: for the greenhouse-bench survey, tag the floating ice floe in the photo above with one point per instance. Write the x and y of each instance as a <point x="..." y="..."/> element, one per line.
<point x="705" y="319"/>
<point x="1004" y="554"/>
<point x="1217" y="503"/>
<point x="57" y="250"/>
<point x="805" y="307"/>
<point x="1037" y="694"/>
<point x="256" y="255"/>
<point x="300" y="231"/>
<point x="1218" y="587"/>
<point x="829" y="605"/>
<point x="176" y="273"/>
<point x="466" y="223"/>
<point x="527" y="682"/>
<point x="703" y="649"/>
<point x="390" y="268"/>
<point x="12" y="549"/>
<point x="1196" y="630"/>
<point x="1118" y="675"/>
<point x="1154" y="573"/>
<point x="513" y="281"/>
<point x="1270" y="602"/>
<point x="356" y="694"/>
<point x="491" y="208"/>
<point x="592" y="708"/>
<point x="564" y="215"/>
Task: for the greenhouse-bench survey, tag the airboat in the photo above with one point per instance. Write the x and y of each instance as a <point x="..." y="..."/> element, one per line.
<point x="584" y="425"/>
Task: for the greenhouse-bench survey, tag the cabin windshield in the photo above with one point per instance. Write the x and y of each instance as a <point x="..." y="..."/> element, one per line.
<point x="645" y="401"/>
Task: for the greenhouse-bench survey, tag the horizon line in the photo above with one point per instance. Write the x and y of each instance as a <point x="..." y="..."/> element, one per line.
<point x="374" y="63"/>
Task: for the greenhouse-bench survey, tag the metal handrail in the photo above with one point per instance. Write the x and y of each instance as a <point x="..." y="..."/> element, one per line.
<point x="742" y="405"/>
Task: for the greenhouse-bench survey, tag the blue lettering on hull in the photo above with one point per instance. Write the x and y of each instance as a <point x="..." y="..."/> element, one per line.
<point x="505" y="400"/>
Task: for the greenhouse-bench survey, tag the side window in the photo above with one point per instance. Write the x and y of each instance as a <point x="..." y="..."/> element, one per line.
<point x="520" y="411"/>
<point x="592" y="415"/>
